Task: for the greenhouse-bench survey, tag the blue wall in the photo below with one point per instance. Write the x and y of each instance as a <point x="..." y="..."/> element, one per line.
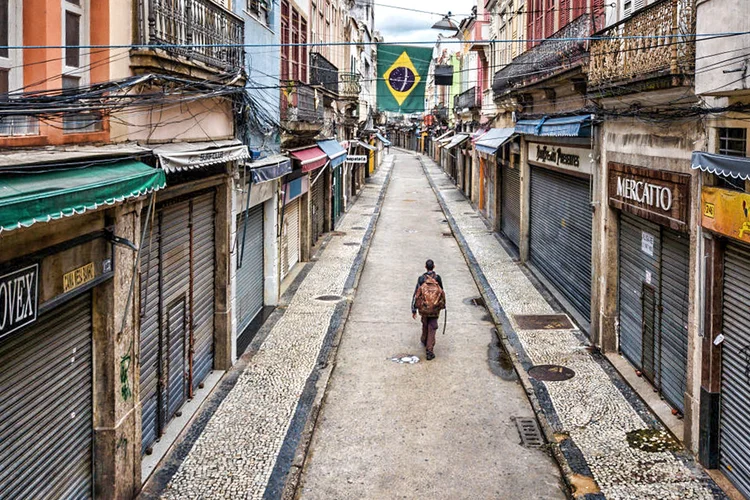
<point x="262" y="65"/>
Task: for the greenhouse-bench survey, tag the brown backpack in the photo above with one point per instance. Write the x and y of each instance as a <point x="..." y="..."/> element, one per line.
<point x="430" y="298"/>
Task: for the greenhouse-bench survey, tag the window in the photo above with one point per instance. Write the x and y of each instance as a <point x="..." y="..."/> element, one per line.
<point x="75" y="65"/>
<point x="261" y="9"/>
<point x="733" y="141"/>
<point x="11" y="68"/>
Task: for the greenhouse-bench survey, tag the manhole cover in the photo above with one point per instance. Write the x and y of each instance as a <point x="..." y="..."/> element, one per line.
<point x="405" y="359"/>
<point x="551" y="373"/>
<point x="531" y="435"/>
<point x="338" y="233"/>
<point x="543" y="322"/>
<point x="329" y="298"/>
<point x="652" y="440"/>
<point x="351" y="244"/>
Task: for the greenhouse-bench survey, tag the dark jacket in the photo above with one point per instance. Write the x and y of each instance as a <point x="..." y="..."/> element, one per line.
<point x="419" y="283"/>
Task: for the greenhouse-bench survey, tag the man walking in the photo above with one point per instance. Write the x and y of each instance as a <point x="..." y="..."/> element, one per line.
<point x="428" y="300"/>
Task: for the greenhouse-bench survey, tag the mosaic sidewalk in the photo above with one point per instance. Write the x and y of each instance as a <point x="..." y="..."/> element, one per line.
<point x="590" y="414"/>
<point x="237" y="452"/>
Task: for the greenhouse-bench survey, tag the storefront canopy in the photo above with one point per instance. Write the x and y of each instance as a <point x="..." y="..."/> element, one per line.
<point x="269" y="168"/>
<point x="181" y="156"/>
<point x="335" y="152"/>
<point x="364" y="145"/>
<point x="567" y="126"/>
<point x="444" y="135"/>
<point x="736" y="167"/>
<point x="496" y="137"/>
<point x="310" y="158"/>
<point x="457" y="140"/>
<point x="382" y="139"/>
<point x="28" y="198"/>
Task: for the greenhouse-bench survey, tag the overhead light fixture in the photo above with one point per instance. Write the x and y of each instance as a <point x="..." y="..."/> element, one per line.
<point x="445" y="24"/>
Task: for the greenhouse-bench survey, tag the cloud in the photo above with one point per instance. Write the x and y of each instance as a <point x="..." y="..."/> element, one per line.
<point x="398" y="25"/>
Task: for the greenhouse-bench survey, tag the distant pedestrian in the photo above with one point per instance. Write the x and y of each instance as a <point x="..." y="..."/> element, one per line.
<point x="428" y="300"/>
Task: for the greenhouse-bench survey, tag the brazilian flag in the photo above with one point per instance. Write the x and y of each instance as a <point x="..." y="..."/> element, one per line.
<point x="402" y="73"/>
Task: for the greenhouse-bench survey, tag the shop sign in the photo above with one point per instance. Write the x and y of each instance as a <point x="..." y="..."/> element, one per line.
<point x="356" y="159"/>
<point x="726" y="212"/>
<point x="662" y="197"/>
<point x="19" y="298"/>
<point x="552" y="155"/>
<point x="78" y="277"/>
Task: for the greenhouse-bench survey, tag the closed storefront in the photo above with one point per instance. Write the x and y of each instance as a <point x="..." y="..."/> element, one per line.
<point x="561" y="221"/>
<point x="290" y="237"/>
<point x="318" y="208"/>
<point x="336" y="158"/>
<point x="337" y="196"/>
<point x="510" y="214"/>
<point x="654" y="275"/>
<point x="177" y="309"/>
<point x="249" y="288"/>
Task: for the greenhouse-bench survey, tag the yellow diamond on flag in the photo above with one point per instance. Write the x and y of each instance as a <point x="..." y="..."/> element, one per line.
<point x="401" y="78"/>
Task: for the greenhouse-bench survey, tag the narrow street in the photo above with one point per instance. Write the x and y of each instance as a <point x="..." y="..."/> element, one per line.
<point x="434" y="429"/>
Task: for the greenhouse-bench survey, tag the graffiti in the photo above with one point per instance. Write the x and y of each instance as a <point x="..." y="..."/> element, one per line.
<point x="745" y="229"/>
<point x="125" y="384"/>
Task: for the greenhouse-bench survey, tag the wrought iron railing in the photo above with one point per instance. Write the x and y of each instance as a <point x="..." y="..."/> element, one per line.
<point x="300" y="103"/>
<point x="349" y="87"/>
<point x="323" y="72"/>
<point x="196" y="29"/>
<point x="562" y="51"/>
<point x="656" y="41"/>
<point x="467" y="99"/>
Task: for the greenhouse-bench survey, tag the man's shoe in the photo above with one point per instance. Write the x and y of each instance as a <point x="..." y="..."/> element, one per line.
<point x="430" y="355"/>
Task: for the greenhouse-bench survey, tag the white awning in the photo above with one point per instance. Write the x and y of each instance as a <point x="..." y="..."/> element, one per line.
<point x="180" y="156"/>
<point x="56" y="154"/>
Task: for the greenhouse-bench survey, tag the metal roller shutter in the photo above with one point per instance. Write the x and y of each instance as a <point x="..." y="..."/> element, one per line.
<point x="318" y="208"/>
<point x="290" y="241"/>
<point x="511" y="204"/>
<point x="203" y="256"/>
<point x="46" y="406"/>
<point x="734" y="443"/>
<point x="673" y="341"/>
<point x="249" y="289"/>
<point x="560" y="235"/>
<point x="637" y="268"/>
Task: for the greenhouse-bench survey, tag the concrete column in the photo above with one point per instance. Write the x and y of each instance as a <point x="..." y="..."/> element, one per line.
<point x="525" y="172"/>
<point x="608" y="260"/>
<point x="222" y="286"/>
<point x="271" y="252"/>
<point x="117" y="441"/>
<point x="598" y="203"/>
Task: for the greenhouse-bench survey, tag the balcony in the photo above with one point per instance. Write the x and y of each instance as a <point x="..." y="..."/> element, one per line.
<point x="204" y="28"/>
<point x="441" y="113"/>
<point x="349" y="87"/>
<point x="323" y="73"/>
<point x="469" y="99"/>
<point x="563" y="51"/>
<point x="301" y="108"/>
<point x="655" y="42"/>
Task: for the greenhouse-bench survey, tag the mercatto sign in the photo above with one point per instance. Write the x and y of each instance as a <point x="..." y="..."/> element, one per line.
<point x="656" y="195"/>
<point x="19" y="298"/>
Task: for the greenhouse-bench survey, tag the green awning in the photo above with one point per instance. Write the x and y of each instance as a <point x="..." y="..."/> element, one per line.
<point x="28" y="198"/>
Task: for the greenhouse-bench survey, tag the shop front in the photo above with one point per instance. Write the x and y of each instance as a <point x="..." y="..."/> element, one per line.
<point x="336" y="158"/>
<point x="291" y="225"/>
<point x="492" y="179"/>
<point x="453" y="157"/>
<point x="57" y="295"/>
<point x="653" y="274"/>
<point x="560" y="216"/>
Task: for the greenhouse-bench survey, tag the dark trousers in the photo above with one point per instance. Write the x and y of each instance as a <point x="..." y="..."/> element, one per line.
<point x="429" y="329"/>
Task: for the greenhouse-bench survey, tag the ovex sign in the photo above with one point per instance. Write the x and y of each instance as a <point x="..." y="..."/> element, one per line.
<point x="18" y="298"/>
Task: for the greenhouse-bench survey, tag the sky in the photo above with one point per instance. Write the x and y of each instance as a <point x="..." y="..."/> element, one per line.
<point x="398" y="25"/>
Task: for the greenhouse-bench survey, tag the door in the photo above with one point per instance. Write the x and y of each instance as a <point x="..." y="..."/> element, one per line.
<point x="560" y="234"/>
<point x="249" y="287"/>
<point x="290" y="238"/>
<point x="510" y="213"/>
<point x="734" y="444"/>
<point x="46" y="406"/>
<point x="202" y="292"/>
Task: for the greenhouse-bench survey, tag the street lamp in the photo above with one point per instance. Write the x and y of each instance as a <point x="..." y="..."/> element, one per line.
<point x="445" y="24"/>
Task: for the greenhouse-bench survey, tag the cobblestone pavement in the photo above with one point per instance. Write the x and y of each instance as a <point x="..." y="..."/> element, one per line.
<point x="594" y="408"/>
<point x="238" y="449"/>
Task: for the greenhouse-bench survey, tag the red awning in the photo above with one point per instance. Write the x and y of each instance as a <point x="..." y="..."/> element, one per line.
<point x="310" y="158"/>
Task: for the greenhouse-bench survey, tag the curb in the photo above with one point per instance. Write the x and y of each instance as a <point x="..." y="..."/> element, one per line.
<point x="321" y="377"/>
<point x="503" y="327"/>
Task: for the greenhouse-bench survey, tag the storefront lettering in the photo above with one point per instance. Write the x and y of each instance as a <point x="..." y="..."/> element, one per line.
<point x="18" y="298"/>
<point x="646" y="193"/>
<point x="556" y="156"/>
<point x="78" y="277"/>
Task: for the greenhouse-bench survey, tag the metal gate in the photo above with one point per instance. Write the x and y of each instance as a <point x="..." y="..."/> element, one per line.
<point x="318" y="207"/>
<point x="510" y="213"/>
<point x="337" y="196"/>
<point x="290" y="238"/>
<point x="560" y="234"/>
<point x="177" y="310"/>
<point x="249" y="287"/>
<point x="653" y="303"/>
<point x="734" y="446"/>
<point x="46" y="406"/>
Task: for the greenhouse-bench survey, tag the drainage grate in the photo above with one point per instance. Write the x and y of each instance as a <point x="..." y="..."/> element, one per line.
<point x="475" y="301"/>
<point x="351" y="244"/>
<point x="338" y="233"/>
<point x="448" y="235"/>
<point x="531" y="435"/>
<point x="329" y="298"/>
<point x="358" y="228"/>
<point x="551" y="373"/>
<point x="543" y="322"/>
